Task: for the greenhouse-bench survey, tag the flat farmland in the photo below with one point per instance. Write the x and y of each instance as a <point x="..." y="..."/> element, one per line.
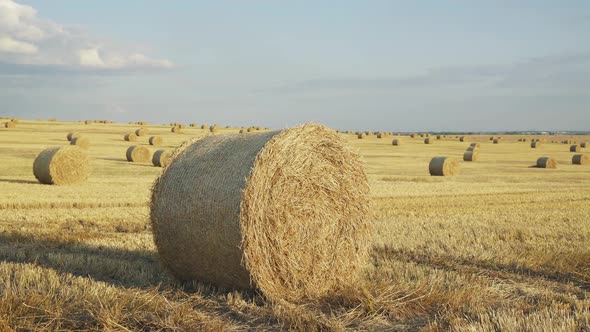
<point x="501" y="246"/>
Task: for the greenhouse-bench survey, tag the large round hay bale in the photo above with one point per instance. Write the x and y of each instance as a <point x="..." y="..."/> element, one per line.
<point x="438" y="137"/>
<point x="547" y="162"/>
<point x="177" y="130"/>
<point x="142" y="132"/>
<point x="156" y="140"/>
<point x="161" y="158"/>
<point x="462" y="139"/>
<point x="444" y="166"/>
<point x="396" y="142"/>
<point x="61" y="165"/>
<point x="491" y="138"/>
<point x="496" y="140"/>
<point x="284" y="212"/>
<point x="72" y="135"/>
<point x="360" y="135"/>
<point x="474" y="146"/>
<point x="471" y="155"/>
<point x="427" y="140"/>
<point x="536" y="144"/>
<point x="130" y="137"/>
<point x="10" y="124"/>
<point x="81" y="141"/>
<point x="581" y="159"/>
<point x="138" y="154"/>
<point x="575" y="148"/>
<point x="413" y="135"/>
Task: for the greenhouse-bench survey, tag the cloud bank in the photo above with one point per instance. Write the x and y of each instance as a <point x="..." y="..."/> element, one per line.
<point x="26" y="39"/>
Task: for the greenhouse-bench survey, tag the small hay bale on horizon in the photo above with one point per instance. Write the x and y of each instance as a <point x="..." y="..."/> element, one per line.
<point x="130" y="137"/>
<point x="161" y="158"/>
<point x="72" y="135"/>
<point x="536" y="144"/>
<point x="584" y="144"/>
<point x="462" y="139"/>
<point x="10" y="124"/>
<point x="546" y="162"/>
<point x="81" y="141"/>
<point x="214" y="128"/>
<point x="138" y="154"/>
<point x="177" y="130"/>
<point x="427" y="140"/>
<point x="396" y="142"/>
<point x="61" y="165"/>
<point x="496" y="140"/>
<point x="219" y="213"/>
<point x="156" y="140"/>
<point x="443" y="166"/>
<point x="581" y="159"/>
<point x="360" y="135"/>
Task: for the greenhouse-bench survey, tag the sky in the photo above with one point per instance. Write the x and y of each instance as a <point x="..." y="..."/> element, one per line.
<point x="360" y="65"/>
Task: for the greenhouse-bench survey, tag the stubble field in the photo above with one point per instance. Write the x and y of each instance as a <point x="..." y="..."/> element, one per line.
<point x="502" y="246"/>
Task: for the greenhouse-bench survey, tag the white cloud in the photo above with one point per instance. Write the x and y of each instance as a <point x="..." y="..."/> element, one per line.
<point x="27" y="39"/>
<point x="10" y="45"/>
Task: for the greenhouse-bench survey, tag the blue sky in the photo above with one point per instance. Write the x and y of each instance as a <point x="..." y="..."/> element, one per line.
<point x="381" y="65"/>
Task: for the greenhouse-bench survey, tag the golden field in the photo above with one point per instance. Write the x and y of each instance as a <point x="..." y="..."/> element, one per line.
<point x="502" y="246"/>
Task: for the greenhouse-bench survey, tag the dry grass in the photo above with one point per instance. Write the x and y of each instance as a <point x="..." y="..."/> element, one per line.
<point x="502" y="246"/>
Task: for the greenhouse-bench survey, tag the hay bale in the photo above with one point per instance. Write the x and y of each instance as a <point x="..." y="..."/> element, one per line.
<point x="380" y="135"/>
<point x="156" y="140"/>
<point x="10" y="124"/>
<point x="161" y="158"/>
<point x="177" y="130"/>
<point x="583" y="144"/>
<point x="72" y="135"/>
<point x="204" y="126"/>
<point x="82" y="142"/>
<point x="438" y="137"/>
<point x="547" y="162"/>
<point x="575" y="148"/>
<point x="471" y="155"/>
<point x="536" y="144"/>
<point x="142" y="132"/>
<point x="284" y="212"/>
<point x="474" y="145"/>
<point x="581" y="159"/>
<point x="396" y="142"/>
<point x="443" y="166"/>
<point x="192" y="125"/>
<point x="214" y="128"/>
<point x="413" y="135"/>
<point x="241" y="131"/>
<point x="61" y="165"/>
<point x="360" y="135"/>
<point x="496" y="140"/>
<point x="428" y="141"/>
<point x="491" y="138"/>
<point x="130" y="137"/>
<point x="462" y="139"/>
<point x="138" y="154"/>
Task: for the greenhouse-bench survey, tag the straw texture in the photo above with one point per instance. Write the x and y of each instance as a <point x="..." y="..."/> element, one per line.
<point x="285" y="212"/>
<point x="82" y="142"/>
<point x="138" y="154"/>
<point x="142" y="132"/>
<point x="161" y="158"/>
<point x="547" y="162"/>
<point x="471" y="155"/>
<point x="156" y="140"/>
<point x="581" y="159"/>
<point x="444" y="166"/>
<point x="61" y="165"/>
